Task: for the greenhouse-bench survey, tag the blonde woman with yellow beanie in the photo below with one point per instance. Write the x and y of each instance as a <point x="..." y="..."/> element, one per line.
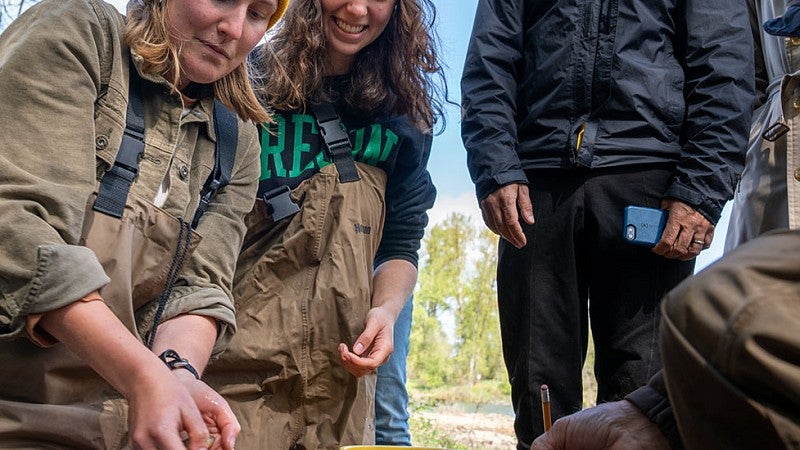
<point x="129" y="159"/>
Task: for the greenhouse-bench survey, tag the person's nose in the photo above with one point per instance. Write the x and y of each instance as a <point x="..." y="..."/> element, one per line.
<point x="357" y="8"/>
<point x="232" y="23"/>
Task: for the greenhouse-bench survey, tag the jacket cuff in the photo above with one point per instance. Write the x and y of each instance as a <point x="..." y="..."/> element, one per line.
<point x="64" y="274"/>
<point x="709" y="208"/>
<point x="413" y="259"/>
<point x="201" y="301"/>
<point x="652" y="400"/>
<point x="489" y="185"/>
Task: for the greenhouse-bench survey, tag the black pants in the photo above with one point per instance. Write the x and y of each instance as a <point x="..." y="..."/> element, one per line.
<point x="576" y="267"/>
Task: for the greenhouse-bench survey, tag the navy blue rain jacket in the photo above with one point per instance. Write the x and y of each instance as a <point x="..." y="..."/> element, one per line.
<point x="640" y="81"/>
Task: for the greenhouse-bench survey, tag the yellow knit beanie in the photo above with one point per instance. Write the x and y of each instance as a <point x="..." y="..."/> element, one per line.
<point x="282" y="4"/>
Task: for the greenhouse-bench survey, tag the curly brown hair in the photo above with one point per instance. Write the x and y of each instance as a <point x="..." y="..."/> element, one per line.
<point x="146" y="34"/>
<point x="392" y="76"/>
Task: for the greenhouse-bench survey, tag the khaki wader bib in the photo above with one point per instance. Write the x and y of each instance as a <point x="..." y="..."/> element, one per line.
<point x="302" y="286"/>
<point x="59" y="401"/>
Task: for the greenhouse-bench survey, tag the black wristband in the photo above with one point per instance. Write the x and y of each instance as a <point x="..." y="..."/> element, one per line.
<point x="174" y="361"/>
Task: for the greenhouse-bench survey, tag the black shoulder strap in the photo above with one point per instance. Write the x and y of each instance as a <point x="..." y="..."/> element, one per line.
<point x="113" y="192"/>
<point x="116" y="183"/>
<point x="226" y="127"/>
<point x="336" y="141"/>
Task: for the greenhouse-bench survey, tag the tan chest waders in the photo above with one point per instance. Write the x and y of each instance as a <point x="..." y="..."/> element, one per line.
<point x="303" y="285"/>
<point x="48" y="397"/>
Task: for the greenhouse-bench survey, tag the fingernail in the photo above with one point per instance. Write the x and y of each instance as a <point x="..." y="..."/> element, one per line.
<point x="358" y="348"/>
<point x="231" y="442"/>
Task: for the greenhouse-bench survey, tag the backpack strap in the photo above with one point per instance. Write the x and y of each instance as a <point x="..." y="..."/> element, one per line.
<point x="116" y="183"/>
<point x="336" y="140"/>
<point x="226" y="127"/>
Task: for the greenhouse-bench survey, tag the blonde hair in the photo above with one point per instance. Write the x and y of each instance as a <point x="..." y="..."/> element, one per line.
<point x="146" y="33"/>
<point x="393" y="75"/>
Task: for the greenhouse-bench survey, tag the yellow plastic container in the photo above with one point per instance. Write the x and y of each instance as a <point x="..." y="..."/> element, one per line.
<point x="379" y="447"/>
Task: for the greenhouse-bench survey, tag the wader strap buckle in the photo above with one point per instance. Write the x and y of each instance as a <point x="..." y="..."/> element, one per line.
<point x="775" y="131"/>
<point x="227" y="130"/>
<point x="113" y="192"/>
<point x="174" y="361"/>
<point x="336" y="141"/>
<point x="279" y="203"/>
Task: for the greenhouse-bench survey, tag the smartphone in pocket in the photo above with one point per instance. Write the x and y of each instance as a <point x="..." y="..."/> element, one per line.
<point x="643" y="226"/>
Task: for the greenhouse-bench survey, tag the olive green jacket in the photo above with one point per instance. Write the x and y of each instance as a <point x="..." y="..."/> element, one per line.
<point x="63" y="97"/>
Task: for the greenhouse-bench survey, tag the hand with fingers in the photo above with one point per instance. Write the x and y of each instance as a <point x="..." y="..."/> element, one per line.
<point x="686" y="233"/>
<point x="373" y="346"/>
<point x="215" y="411"/>
<point x="502" y="210"/>
<point x="164" y="414"/>
<point x="609" y="426"/>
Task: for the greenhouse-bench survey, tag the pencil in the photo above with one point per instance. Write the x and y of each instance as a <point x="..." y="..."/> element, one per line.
<point x="546" y="407"/>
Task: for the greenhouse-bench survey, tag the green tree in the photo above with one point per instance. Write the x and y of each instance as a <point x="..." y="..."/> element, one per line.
<point x="478" y="346"/>
<point x="428" y="358"/>
<point x="441" y="280"/>
<point x="457" y="286"/>
<point x="444" y="262"/>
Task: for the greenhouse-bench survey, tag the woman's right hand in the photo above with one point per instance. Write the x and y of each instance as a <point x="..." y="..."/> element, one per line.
<point x="161" y="406"/>
<point x="373" y="346"/>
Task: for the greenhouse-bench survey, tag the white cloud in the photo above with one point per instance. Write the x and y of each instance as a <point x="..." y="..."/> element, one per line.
<point x="465" y="203"/>
<point x="707" y="257"/>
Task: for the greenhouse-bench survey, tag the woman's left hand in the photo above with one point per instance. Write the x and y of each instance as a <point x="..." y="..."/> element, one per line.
<point x="373" y="346"/>
<point x="220" y="420"/>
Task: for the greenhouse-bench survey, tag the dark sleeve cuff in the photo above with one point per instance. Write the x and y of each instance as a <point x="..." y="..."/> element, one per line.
<point x="652" y="400"/>
<point x="411" y="258"/>
<point x="710" y="209"/>
<point x="486" y="187"/>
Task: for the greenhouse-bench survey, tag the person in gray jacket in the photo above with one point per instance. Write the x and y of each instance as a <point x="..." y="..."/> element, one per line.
<point x="579" y="109"/>
<point x="768" y="195"/>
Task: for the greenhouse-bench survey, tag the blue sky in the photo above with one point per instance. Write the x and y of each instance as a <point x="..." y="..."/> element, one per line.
<point x="447" y="165"/>
<point x="448" y="158"/>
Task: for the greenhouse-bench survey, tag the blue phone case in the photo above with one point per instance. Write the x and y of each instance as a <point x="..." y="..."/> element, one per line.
<point x="643" y="226"/>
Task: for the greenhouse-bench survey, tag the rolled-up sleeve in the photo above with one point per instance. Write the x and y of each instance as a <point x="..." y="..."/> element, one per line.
<point x="49" y="80"/>
<point x="204" y="287"/>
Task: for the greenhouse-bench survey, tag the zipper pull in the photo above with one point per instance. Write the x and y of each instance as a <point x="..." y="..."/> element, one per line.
<point x="578" y="142"/>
